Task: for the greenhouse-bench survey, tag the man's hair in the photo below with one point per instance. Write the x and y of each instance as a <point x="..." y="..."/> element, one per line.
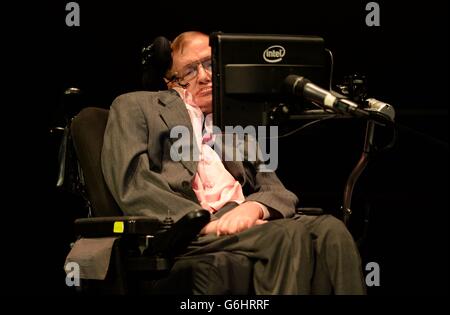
<point x="180" y="41"/>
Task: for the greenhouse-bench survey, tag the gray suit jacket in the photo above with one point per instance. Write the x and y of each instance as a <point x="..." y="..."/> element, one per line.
<point x="143" y="178"/>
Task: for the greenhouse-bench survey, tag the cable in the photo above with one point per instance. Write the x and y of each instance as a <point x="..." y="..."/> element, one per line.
<point x="303" y="127"/>
<point x="330" y="87"/>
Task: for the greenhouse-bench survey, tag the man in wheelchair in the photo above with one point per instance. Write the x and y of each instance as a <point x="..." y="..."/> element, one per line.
<point x="252" y="213"/>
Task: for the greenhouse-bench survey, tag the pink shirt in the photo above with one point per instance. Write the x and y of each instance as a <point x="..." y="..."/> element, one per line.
<point x="213" y="185"/>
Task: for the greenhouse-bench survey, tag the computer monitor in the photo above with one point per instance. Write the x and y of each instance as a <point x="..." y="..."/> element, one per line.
<point x="249" y="70"/>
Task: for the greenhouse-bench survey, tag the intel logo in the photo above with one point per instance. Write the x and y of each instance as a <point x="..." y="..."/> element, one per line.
<point x="274" y="53"/>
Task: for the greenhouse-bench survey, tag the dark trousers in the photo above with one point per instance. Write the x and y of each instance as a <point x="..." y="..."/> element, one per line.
<point x="300" y="255"/>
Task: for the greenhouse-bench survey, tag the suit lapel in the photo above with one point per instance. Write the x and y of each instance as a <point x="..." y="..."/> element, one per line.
<point x="173" y="112"/>
<point x="235" y="168"/>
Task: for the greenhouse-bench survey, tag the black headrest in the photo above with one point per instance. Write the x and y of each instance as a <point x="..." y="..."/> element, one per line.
<point x="156" y="60"/>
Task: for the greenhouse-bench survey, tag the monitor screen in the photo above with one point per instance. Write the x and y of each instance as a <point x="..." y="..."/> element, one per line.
<point x="249" y="70"/>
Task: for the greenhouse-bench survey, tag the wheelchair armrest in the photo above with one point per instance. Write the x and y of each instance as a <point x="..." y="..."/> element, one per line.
<point x="166" y="242"/>
<point x="174" y="240"/>
<point x="309" y="211"/>
<point x="111" y="226"/>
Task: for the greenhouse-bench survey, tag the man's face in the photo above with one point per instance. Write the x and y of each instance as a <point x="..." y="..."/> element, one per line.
<point x="194" y="60"/>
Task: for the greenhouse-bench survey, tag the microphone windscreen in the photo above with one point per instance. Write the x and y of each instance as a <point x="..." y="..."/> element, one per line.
<point x="294" y="84"/>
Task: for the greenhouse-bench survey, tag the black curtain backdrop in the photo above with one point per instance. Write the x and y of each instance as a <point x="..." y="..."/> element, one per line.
<point x="405" y="60"/>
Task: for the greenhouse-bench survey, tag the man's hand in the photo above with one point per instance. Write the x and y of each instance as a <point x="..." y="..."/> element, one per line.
<point x="210" y="228"/>
<point x="237" y="220"/>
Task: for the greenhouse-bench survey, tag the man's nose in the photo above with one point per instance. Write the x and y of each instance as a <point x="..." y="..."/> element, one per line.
<point x="203" y="75"/>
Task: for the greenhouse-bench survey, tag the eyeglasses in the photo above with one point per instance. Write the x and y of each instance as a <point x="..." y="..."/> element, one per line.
<point x="190" y="71"/>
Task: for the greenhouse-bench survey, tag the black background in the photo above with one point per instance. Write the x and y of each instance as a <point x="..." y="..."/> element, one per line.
<point x="405" y="60"/>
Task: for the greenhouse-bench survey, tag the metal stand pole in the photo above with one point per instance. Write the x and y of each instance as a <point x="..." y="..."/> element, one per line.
<point x="357" y="170"/>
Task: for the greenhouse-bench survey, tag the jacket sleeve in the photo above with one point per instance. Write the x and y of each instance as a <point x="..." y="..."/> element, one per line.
<point x="266" y="188"/>
<point x="127" y="167"/>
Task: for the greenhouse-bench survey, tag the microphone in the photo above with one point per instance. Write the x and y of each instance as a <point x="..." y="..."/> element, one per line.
<point x="302" y="87"/>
